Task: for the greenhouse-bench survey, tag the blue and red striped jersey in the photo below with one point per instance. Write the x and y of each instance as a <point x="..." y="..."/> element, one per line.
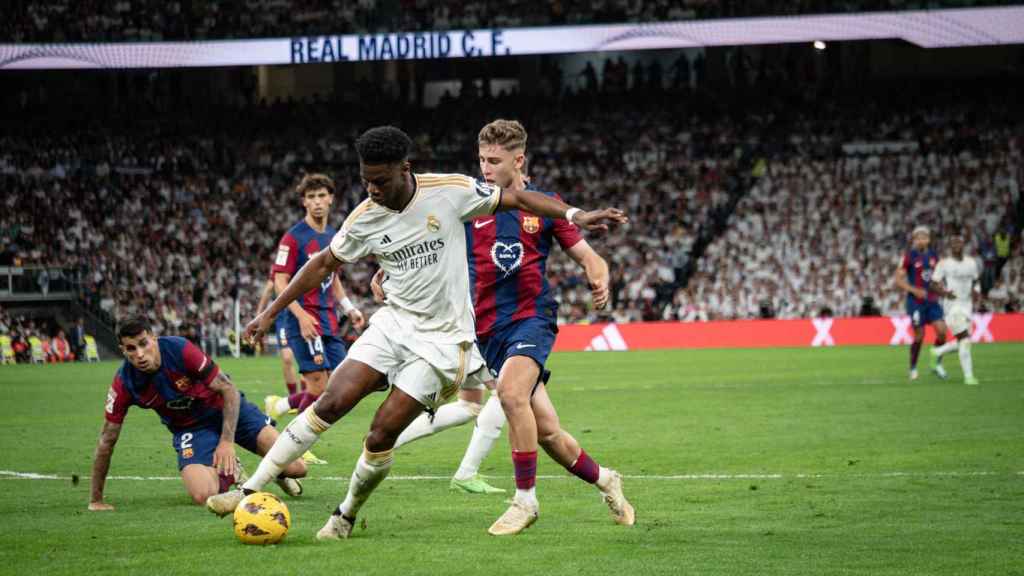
<point x="297" y="246"/>
<point x="919" y="267"/>
<point x="508" y="254"/>
<point x="179" y="391"/>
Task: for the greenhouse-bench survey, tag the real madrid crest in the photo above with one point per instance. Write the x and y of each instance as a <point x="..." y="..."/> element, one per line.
<point x="433" y="224"/>
<point x="531" y="224"/>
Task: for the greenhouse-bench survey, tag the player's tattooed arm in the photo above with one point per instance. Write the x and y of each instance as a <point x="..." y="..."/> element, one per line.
<point x="310" y="276"/>
<point x="224" y="456"/>
<point x="596" y="269"/>
<point x="551" y="207"/>
<point x="101" y="465"/>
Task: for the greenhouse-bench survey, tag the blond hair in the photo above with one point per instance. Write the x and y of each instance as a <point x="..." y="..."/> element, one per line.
<point x="509" y="134"/>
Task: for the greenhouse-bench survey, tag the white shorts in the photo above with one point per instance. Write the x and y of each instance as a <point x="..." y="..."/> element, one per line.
<point x="431" y="375"/>
<point x="958" y="317"/>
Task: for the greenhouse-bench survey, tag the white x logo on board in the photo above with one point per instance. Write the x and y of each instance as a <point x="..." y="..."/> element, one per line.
<point x="823" y="336"/>
<point x="981" y="332"/>
<point x="901" y="331"/>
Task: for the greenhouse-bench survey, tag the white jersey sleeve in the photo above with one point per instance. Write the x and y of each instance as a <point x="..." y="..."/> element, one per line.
<point x="348" y="245"/>
<point x="475" y="198"/>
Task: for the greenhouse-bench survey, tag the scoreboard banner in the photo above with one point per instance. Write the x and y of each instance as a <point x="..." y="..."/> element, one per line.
<point x="806" y="332"/>
<point x="925" y="28"/>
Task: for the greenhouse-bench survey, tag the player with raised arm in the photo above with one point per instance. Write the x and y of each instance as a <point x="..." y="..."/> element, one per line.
<point x="422" y="341"/>
<point x="281" y="333"/>
<point x="203" y="410"/>
<point x="312" y="327"/>
<point x="515" y="326"/>
<point x="914" y="276"/>
<point x="956" y="279"/>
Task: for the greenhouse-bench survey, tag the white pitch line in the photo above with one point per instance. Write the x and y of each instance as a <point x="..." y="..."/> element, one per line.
<point x="13" y="475"/>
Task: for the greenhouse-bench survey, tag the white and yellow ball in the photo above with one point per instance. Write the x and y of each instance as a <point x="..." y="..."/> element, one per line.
<point x="261" y="518"/>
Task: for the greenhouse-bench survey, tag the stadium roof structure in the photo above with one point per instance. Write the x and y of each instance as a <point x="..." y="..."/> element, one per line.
<point x="925" y="28"/>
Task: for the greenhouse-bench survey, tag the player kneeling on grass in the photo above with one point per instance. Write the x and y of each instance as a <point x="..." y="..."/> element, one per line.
<point x="203" y="410"/>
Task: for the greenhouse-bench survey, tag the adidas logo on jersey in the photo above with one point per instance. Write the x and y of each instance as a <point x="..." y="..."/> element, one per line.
<point x="385" y="240"/>
<point x="609" y="339"/>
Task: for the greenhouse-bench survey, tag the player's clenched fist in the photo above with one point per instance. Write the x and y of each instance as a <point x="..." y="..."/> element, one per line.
<point x="377" y="287"/>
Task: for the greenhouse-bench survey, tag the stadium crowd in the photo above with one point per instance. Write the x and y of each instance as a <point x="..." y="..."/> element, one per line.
<point x="176" y="217"/>
<point x="824" y="229"/>
<point x="175" y="225"/>
<point x="77" y="21"/>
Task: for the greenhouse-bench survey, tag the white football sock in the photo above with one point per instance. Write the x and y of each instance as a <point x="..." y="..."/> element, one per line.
<point x="603" y="478"/>
<point x="966" y="363"/>
<point x="946" y="348"/>
<point x="296" y="438"/>
<point x="282" y="406"/>
<point x="447" y="416"/>
<point x="528" y="496"/>
<point x="485" y="433"/>
<point x="371" y="469"/>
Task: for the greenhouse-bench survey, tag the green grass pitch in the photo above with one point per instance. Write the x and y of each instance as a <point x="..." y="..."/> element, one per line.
<point x="792" y="461"/>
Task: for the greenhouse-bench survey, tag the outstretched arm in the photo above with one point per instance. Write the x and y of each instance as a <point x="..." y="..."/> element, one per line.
<point x="550" y="207"/>
<point x="310" y="276"/>
<point x="101" y="465"/>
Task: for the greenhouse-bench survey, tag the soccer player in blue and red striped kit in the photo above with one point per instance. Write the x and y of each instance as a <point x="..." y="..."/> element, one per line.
<point x="516" y="326"/>
<point x="204" y="411"/>
<point x="914" y="276"/>
<point x="312" y="328"/>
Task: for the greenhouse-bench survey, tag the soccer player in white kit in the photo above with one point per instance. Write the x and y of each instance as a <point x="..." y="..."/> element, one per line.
<point x="956" y="279"/>
<point x="422" y="342"/>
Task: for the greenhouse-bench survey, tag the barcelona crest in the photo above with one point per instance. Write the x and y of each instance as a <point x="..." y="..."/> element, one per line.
<point x="531" y="224"/>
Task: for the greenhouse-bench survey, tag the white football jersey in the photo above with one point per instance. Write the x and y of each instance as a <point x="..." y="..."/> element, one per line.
<point x="422" y="249"/>
<point x="959" y="277"/>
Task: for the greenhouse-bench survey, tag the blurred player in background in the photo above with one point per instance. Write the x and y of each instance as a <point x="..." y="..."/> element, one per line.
<point x="311" y="328"/>
<point x="422" y="341"/>
<point x="203" y="410"/>
<point x="956" y="279"/>
<point x="914" y="276"/>
<point x="515" y="326"/>
<point x="291" y="382"/>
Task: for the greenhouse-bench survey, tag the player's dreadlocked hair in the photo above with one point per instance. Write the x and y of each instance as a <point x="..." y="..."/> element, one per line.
<point x="315" y="182"/>
<point x="383" y="145"/>
<point x="132" y="326"/>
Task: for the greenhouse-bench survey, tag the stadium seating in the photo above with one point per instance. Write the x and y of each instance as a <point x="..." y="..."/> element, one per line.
<point x="171" y="218"/>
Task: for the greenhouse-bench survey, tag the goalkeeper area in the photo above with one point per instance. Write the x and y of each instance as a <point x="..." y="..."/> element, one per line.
<point x="795" y="461"/>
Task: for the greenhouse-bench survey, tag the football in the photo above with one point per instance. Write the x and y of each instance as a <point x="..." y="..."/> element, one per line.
<point x="261" y="518"/>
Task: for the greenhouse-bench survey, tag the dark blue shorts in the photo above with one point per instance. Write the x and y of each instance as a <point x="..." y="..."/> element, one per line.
<point x="531" y="337"/>
<point x="281" y="329"/>
<point x="923" y="314"/>
<point x="196" y="445"/>
<point x="324" y="353"/>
